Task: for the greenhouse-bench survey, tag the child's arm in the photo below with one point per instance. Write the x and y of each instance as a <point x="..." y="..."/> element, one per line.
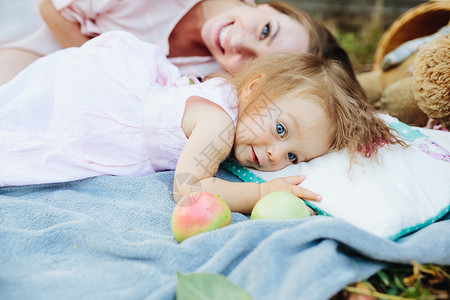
<point x="210" y="132"/>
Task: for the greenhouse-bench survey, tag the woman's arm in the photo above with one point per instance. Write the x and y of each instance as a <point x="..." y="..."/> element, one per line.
<point x="68" y="34"/>
<point x="210" y="134"/>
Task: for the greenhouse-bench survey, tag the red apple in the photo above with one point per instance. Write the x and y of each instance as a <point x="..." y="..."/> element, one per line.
<point x="199" y="212"/>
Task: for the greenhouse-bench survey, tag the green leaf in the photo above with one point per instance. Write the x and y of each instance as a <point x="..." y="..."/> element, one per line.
<point x="392" y="291"/>
<point x="398" y="283"/>
<point x="199" y="286"/>
<point x="384" y="278"/>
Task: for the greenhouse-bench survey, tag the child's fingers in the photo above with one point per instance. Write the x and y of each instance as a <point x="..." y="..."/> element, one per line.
<point x="305" y="194"/>
<point x="296" y="179"/>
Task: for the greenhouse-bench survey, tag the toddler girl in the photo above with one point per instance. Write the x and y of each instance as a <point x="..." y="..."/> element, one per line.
<point x="117" y="106"/>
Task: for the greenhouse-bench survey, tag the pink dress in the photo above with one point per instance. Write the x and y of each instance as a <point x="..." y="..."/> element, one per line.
<point x="80" y="112"/>
<point x="149" y="20"/>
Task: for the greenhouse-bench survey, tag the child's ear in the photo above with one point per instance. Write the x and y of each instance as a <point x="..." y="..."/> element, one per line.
<point x="253" y="85"/>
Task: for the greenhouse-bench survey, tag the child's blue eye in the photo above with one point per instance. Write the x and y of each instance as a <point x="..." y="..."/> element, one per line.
<point x="265" y="32"/>
<point x="292" y="157"/>
<point x="280" y="129"/>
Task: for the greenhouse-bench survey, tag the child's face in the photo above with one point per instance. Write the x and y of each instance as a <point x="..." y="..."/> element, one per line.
<point x="282" y="133"/>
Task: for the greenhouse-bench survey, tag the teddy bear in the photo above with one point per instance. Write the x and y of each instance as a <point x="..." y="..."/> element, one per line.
<point x="410" y="79"/>
<point x="431" y="73"/>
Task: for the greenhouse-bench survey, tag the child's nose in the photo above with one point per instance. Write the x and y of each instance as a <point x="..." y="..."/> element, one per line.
<point x="275" y="154"/>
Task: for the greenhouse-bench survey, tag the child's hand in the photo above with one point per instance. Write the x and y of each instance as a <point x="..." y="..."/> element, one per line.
<point x="290" y="184"/>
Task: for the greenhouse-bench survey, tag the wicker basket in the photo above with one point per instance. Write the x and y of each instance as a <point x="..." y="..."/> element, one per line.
<point x="419" y="21"/>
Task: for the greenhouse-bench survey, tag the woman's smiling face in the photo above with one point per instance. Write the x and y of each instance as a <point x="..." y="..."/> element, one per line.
<point x="282" y="133"/>
<point x="239" y="34"/>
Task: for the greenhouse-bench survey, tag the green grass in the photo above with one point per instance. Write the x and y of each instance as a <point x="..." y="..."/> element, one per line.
<point x="413" y="281"/>
<point x="360" y="40"/>
<point x="360" y="46"/>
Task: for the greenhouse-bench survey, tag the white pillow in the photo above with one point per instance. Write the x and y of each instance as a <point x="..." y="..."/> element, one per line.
<point x="405" y="191"/>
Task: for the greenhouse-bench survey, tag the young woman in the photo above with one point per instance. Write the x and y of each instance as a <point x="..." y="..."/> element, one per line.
<point x="198" y="36"/>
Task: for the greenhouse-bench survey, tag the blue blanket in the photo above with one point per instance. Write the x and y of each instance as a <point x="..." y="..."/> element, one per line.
<point x="110" y="238"/>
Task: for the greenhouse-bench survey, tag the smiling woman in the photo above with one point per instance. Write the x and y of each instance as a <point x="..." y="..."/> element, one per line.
<point x="233" y="38"/>
<point x="198" y="36"/>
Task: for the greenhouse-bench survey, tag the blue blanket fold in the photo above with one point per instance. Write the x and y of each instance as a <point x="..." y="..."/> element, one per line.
<point x="110" y="238"/>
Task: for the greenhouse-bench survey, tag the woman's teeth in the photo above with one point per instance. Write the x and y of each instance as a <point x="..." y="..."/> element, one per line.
<point x="222" y="34"/>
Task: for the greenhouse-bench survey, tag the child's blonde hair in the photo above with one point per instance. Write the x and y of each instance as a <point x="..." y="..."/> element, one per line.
<point x="325" y="81"/>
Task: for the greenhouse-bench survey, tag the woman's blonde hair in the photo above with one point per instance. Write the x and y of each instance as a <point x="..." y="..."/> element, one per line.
<point x="321" y="40"/>
<point x="325" y="81"/>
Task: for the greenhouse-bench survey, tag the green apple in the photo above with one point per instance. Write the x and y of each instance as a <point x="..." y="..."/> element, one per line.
<point x="199" y="212"/>
<point x="280" y="205"/>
